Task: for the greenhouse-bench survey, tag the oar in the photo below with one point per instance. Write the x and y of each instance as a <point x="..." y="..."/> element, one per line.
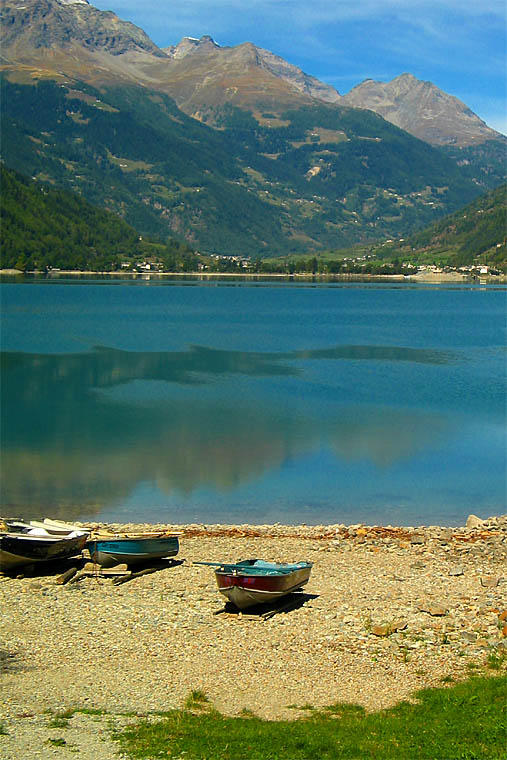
<point x="228" y="567"/>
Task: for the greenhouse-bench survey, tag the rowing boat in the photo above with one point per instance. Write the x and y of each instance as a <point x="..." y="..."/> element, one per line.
<point x="255" y="581"/>
<point x="112" y="549"/>
<point x="31" y="545"/>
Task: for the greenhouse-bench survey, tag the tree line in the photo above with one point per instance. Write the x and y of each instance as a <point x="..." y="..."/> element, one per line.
<point x="46" y="228"/>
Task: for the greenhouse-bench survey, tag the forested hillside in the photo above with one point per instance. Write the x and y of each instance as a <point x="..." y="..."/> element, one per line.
<point x="42" y="227"/>
<point x="475" y="234"/>
<point x="319" y="177"/>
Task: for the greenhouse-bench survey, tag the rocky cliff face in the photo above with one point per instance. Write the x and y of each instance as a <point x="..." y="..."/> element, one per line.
<point x="29" y="26"/>
<point x="191" y="45"/>
<point x="298" y="79"/>
<point x="422" y="109"/>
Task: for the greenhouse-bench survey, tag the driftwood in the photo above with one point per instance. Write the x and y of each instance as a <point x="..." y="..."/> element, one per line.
<point x="65" y="577"/>
<point x="92" y="568"/>
<point x="162" y="565"/>
<point x="114" y="571"/>
<point x="137" y="574"/>
<point x="120" y="573"/>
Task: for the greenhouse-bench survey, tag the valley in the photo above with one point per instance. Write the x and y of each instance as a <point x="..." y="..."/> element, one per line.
<point x="230" y="150"/>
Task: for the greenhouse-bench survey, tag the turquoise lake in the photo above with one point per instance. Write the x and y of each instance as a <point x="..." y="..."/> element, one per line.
<point x="223" y="401"/>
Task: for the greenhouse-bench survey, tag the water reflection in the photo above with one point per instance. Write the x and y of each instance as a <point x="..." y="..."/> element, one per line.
<point x="68" y="448"/>
<point x="104" y="367"/>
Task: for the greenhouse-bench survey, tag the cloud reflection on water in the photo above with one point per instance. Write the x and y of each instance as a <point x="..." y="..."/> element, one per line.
<point x="68" y="448"/>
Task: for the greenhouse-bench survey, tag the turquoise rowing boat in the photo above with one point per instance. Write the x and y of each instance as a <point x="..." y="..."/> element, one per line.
<point x="111" y="550"/>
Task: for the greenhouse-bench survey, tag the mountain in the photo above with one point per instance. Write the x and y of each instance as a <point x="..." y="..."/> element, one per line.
<point x="202" y="76"/>
<point x="272" y="164"/>
<point x="69" y="39"/>
<point x="72" y="38"/>
<point x="422" y="109"/>
<point x="46" y="26"/>
<point x="323" y="178"/>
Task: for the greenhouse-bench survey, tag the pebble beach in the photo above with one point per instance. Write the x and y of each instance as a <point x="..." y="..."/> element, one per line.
<point x="387" y="611"/>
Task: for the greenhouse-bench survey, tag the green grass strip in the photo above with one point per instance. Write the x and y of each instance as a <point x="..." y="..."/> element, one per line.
<point x="463" y="722"/>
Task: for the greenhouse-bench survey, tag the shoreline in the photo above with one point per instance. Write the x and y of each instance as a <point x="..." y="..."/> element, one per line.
<point x="473" y="527"/>
<point x="426" y="277"/>
<point x="387" y="611"/>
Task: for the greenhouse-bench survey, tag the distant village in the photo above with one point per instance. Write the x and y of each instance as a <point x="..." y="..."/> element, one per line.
<point x="216" y="263"/>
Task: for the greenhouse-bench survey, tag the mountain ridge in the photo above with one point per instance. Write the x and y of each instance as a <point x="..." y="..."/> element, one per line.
<point x="256" y="56"/>
<point x="202" y="76"/>
<point x="263" y="168"/>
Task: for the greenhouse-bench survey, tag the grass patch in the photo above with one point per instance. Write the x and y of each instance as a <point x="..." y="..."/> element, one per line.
<point x="197" y="700"/>
<point x="246" y="713"/>
<point x="3" y="730"/>
<point x="91" y="711"/>
<point x="61" y="719"/>
<point x="60" y="742"/>
<point x="496" y="661"/>
<point x="465" y="721"/>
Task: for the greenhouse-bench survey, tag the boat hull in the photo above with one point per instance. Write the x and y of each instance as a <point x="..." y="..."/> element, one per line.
<point x="131" y="551"/>
<point x="17" y="550"/>
<point x="245" y="590"/>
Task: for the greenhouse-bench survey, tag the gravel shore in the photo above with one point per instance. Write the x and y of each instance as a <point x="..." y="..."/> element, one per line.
<point x="387" y="611"/>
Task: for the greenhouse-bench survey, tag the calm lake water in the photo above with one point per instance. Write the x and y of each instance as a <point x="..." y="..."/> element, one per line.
<point x="184" y="401"/>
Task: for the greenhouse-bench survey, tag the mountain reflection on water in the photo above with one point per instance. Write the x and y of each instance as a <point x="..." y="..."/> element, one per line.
<point x="71" y="443"/>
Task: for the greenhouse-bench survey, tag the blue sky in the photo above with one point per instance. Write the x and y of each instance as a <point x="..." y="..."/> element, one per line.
<point x="459" y="45"/>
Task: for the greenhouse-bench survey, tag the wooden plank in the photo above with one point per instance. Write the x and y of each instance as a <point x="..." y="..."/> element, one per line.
<point x="94" y="567"/>
<point x="113" y="571"/>
<point x="163" y="564"/>
<point x="107" y="572"/>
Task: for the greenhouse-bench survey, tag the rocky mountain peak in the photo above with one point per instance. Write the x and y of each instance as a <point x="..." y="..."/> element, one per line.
<point x="190" y="45"/>
<point x="33" y="25"/>
<point x="204" y="74"/>
<point x="422" y="109"/>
